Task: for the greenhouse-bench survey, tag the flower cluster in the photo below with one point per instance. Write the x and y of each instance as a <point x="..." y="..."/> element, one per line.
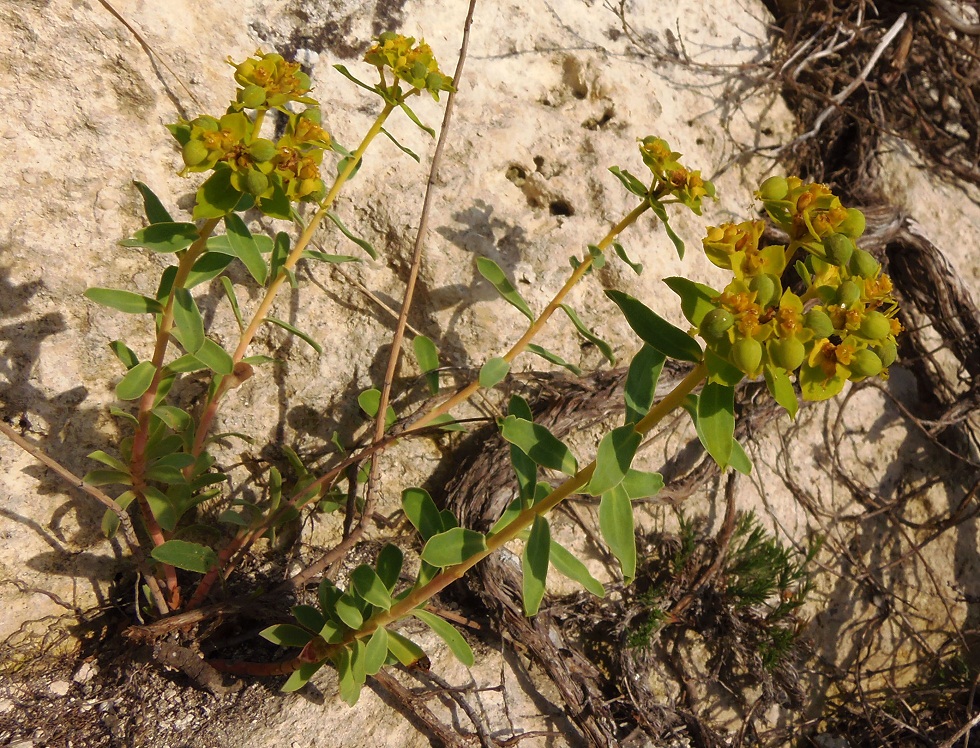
<point x="273" y="173"/>
<point x="408" y="61"/>
<point x="685" y="185"/>
<point x="842" y="327"/>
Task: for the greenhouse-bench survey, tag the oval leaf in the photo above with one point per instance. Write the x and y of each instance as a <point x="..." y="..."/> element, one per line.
<point x="124" y="301"/>
<point x="136" y="382"/>
<point x="616" y="525"/>
<point x="453" y="547"/>
<point x="188" y="321"/>
<point x="185" y="555"/>
<point x="613" y="460"/>
<point x="428" y="358"/>
<point x="656" y="331"/>
<point x="716" y="421"/>
<point x="697" y="299"/>
<point x="164" y="237"/>
<point x="641" y="382"/>
<point x="243" y="245"/>
<point x="534" y="562"/>
<point x="286" y="635"/>
<point x="369" y="586"/>
<point x="152" y="207"/>
<point x="422" y="512"/>
<point x="571" y="567"/>
<point x="376" y="652"/>
<point x="492" y="272"/>
<point x="539" y="444"/>
<point x="640" y="484"/>
<point x="448" y="633"/>
<point x="493" y="372"/>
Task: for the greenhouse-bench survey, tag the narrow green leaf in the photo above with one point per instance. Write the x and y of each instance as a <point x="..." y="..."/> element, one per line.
<point x="640" y="484"/>
<point x="553" y="358"/>
<point x="216" y="197"/>
<point x="366" y="246"/>
<point x="221" y="244"/>
<point x="630" y="182"/>
<point x="347" y="74"/>
<point x="300" y="677"/>
<point x="782" y="390"/>
<point x="697" y="299"/>
<point x="185" y="555"/>
<point x="412" y="116"/>
<point x="407" y="652"/>
<point x="402" y="148"/>
<point x="243" y="245"/>
<point x="188" y="321"/>
<point x="613" y="459"/>
<point x="453" y="547"/>
<point x="312" y="254"/>
<point x="389" y="565"/>
<point x="534" y="562"/>
<point x="493" y="372"/>
<point x="525" y="468"/>
<point x="656" y="331"/>
<point x="136" y="382"/>
<point x="568" y="565"/>
<point x="166" y="282"/>
<point x="539" y="444"/>
<point x="107" y="477"/>
<point x="616" y="525"/>
<point x="119" y="413"/>
<point x="152" y="207"/>
<point x="110" y="520"/>
<point x="511" y="513"/>
<point x="164" y="237"/>
<point x="661" y="212"/>
<point x="739" y="460"/>
<point x="353" y="677"/>
<point x="716" y="421"/>
<point x="107" y="459"/>
<point x="641" y="382"/>
<point x="185" y="364"/>
<point x="604" y="348"/>
<point x="233" y="300"/>
<point x="621" y="253"/>
<point x="492" y="272"/>
<point x="124" y="353"/>
<point x="428" y="358"/>
<point x="280" y="251"/>
<point x="376" y="651"/>
<point x="231" y="517"/>
<point x="215" y="357"/>
<point x="177" y="419"/>
<point x="448" y="633"/>
<point x="286" y="635"/>
<point x="208" y="266"/>
<point x="124" y="301"/>
<point x="422" y="512"/>
<point x="295" y="331"/>
<point x="369" y="585"/>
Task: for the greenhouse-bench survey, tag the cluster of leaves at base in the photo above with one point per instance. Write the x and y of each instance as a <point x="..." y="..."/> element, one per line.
<point x="762" y="584"/>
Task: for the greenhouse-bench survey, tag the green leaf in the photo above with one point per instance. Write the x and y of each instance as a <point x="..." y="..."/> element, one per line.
<point x="215" y="357"/>
<point x="366" y="246"/>
<point x="108" y="477"/>
<point x="136" y="382"/>
<point x="402" y="148"/>
<point x="604" y="348"/>
<point x="119" y="413"/>
<point x="347" y="74"/>
<point x="568" y="565"/>
<point x="448" y="633"/>
<point x="630" y="182"/>
<point x="511" y="513"/>
<point x="208" y="266"/>
<point x="216" y="197"/>
<point x="656" y="331"/>
<point x="412" y="116"/>
<point x="177" y="419"/>
<point x="348" y="611"/>
<point x="720" y="370"/>
<point x="300" y="677"/>
<point x="641" y="382"/>
<point x="308" y="617"/>
<point x="188" y="321"/>
<point x="295" y="331"/>
<point x="186" y="363"/>
<point x="376" y="651"/>
<point x="422" y="512"/>
<point x="286" y="635"/>
<point x="782" y="389"/>
<point x="124" y="301"/>
<point x="636" y="266"/>
<point x="553" y="358"/>
<point x="697" y="299"/>
<point x="107" y="459"/>
<point x="428" y="357"/>
<point x="616" y="525"/>
<point x="534" y="562"/>
<point x="369" y="586"/>
<point x="613" y="460"/>
<point x="185" y="555"/>
<point x="525" y="468"/>
<point x="110" y="520"/>
<point x="313" y="254"/>
<point x="152" y="207"/>
<point x="389" y="565"/>
<point x="661" y="212"/>
<point x="353" y="676"/>
<point x="492" y="272"/>
<point x="493" y="372"/>
<point x="233" y="300"/>
<point x="739" y="460"/>
<point x="453" y="547"/>
<point x="280" y="252"/>
<point x="370" y="401"/>
<point x="640" y="484"/>
<point x="124" y="353"/>
<point x="243" y="245"/>
<point x="407" y="652"/>
<point x="221" y="244"/>
<point x="539" y="444"/>
<point x="716" y="421"/>
<point x="164" y="237"/>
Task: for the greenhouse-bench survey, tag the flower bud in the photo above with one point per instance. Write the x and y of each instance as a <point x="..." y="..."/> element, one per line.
<point x="787" y="353"/>
<point x="887" y="352"/>
<point x="839" y="249"/>
<point x="716" y="323"/>
<point x="853" y="225"/>
<point x="819" y="322"/>
<point x="875" y="326"/>
<point x="848" y="293"/>
<point x="774" y="188"/>
<point x="863" y="264"/>
<point x="252" y="96"/>
<point x="262" y="150"/>
<point x="766" y="289"/>
<point x="194" y="152"/>
<point x="865" y="363"/>
<point x="256" y="182"/>
<point x="747" y="354"/>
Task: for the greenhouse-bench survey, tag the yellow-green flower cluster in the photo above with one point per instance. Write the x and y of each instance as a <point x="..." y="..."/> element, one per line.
<point x="841" y="328"/>
<point x="685" y="185"/>
<point x="269" y="81"/>
<point x="409" y="62"/>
